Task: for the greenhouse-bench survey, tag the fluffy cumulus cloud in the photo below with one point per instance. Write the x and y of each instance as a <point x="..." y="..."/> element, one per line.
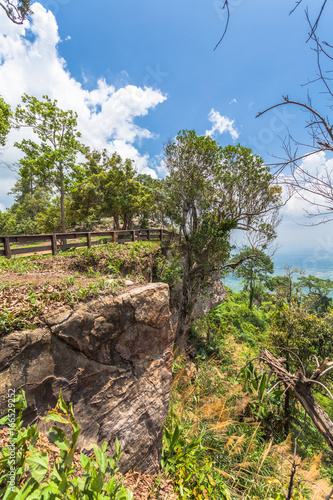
<point x="30" y="63"/>
<point x="221" y="124"/>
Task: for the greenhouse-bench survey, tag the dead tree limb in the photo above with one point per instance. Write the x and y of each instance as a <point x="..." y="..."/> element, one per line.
<point x="301" y="387"/>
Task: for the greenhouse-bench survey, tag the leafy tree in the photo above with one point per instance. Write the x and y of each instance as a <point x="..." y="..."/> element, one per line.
<point x="318" y="291"/>
<point x="212" y="191"/>
<point x="5" y="115"/>
<point x="158" y="209"/>
<point x="8" y="223"/>
<point x="255" y="268"/>
<point x="287" y="289"/>
<point x="51" y="160"/>
<point x="17" y="11"/>
<point x="301" y="333"/>
<point x="107" y="186"/>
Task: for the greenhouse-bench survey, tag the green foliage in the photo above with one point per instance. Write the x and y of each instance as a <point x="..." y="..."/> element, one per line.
<point x="98" y="482"/>
<point x="191" y="468"/>
<point x="106" y="186"/>
<point x="169" y="270"/>
<point x="10" y="322"/>
<point x="159" y="203"/>
<point x="305" y="333"/>
<point x="8" y="223"/>
<point x="22" y="439"/>
<point x="5" y="115"/>
<point x="212" y="191"/>
<point x="238" y="410"/>
<point x="49" y="162"/>
<point x="254" y="271"/>
<point x="235" y="317"/>
<point x="318" y="300"/>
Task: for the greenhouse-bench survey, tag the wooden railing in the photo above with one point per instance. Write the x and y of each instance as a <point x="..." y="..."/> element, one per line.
<point x="63" y="241"/>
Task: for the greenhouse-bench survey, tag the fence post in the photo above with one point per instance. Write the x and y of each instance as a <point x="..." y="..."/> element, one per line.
<point x="8" y="252"/>
<point x="89" y="240"/>
<point x="54" y="244"/>
<point x="148" y="234"/>
<point x="133" y="235"/>
<point x="161" y="234"/>
<point x="114" y="236"/>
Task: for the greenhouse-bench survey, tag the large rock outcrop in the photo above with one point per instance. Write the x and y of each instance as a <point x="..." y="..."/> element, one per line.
<point x="112" y="358"/>
<point x="214" y="295"/>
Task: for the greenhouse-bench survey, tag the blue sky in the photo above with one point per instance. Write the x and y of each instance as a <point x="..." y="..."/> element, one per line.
<point x="139" y="71"/>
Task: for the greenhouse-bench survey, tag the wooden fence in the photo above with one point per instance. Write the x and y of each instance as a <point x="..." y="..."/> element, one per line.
<point x="64" y="241"/>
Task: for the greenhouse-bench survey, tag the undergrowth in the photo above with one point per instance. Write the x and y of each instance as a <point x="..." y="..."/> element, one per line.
<point x="76" y="275"/>
<point x="230" y="413"/>
<point x="36" y="479"/>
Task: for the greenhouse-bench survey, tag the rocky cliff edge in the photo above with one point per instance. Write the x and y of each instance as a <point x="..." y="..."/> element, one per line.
<point x="112" y="358"/>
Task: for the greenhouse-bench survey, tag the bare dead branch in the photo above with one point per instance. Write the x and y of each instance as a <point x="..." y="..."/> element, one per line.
<point x="300" y="386"/>
<point x="225" y="6"/>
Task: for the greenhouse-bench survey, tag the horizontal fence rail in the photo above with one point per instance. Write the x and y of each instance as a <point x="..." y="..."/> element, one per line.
<point x="63" y="241"/>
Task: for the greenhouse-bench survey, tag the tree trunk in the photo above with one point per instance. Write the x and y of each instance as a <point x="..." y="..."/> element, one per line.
<point x="186" y="306"/>
<point x="251" y="297"/>
<point x="116" y="224"/>
<point x="62" y="201"/>
<point x="300" y="387"/>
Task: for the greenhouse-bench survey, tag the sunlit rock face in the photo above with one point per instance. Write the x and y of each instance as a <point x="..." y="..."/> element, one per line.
<point x="112" y="358"/>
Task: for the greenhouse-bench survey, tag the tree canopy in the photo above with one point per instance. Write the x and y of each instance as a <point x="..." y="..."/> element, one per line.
<point x="211" y="192"/>
<point x="107" y="186"/>
<point x="50" y="160"/>
<point x="255" y="270"/>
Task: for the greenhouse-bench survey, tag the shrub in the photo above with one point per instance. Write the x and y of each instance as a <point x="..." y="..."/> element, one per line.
<point x="99" y="479"/>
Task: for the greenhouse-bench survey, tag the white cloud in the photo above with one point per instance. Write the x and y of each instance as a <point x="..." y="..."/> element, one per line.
<point x="30" y="63"/>
<point x="233" y="101"/>
<point x="221" y="124"/>
<point x="318" y="166"/>
<point x="297" y="234"/>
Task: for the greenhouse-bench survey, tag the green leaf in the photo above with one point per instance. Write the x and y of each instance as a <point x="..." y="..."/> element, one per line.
<point x="48" y="491"/>
<point x="175" y="436"/>
<point x="75" y="437"/>
<point x="38" y="465"/>
<point x="63" y="485"/>
<point x="97" y="483"/>
<point x="60" y="438"/>
<point x="97" y="453"/>
<point x="110" y="486"/>
<point x="85" y="461"/>
<point x="117" y="447"/>
<point x="61" y="403"/>
<point x="262" y="386"/>
<point x="28" y="488"/>
<point x="56" y="418"/>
